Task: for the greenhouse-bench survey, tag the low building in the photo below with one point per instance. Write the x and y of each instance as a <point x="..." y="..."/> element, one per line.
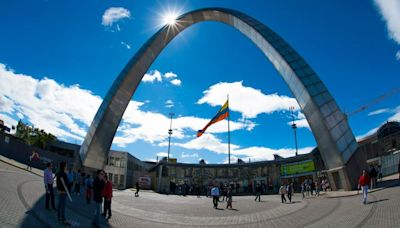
<point x="124" y="170"/>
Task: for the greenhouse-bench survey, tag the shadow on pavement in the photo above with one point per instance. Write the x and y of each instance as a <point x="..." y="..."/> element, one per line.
<point x="77" y="212"/>
<point x="388" y="183"/>
<point x="377" y="201"/>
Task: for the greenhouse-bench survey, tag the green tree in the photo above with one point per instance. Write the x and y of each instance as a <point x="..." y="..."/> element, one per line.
<point x="33" y="136"/>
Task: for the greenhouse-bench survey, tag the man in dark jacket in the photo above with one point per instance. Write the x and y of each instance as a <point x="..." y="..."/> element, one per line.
<point x="62" y="183"/>
<point x="98" y="185"/>
<point x="372" y="175"/>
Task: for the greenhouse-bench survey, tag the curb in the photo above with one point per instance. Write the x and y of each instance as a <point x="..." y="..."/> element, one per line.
<point x="16" y="166"/>
<point x="372" y="191"/>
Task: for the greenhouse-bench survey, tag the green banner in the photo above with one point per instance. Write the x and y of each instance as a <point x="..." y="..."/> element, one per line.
<point x="297" y="168"/>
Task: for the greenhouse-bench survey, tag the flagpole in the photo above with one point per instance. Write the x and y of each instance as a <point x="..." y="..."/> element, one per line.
<point x="229" y="135"/>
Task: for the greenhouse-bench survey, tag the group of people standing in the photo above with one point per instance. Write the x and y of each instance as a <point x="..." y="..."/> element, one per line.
<point x="99" y="189"/>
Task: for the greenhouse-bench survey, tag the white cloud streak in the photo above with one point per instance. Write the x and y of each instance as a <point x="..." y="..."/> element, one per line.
<point x="379" y="111"/>
<point x="128" y="46"/>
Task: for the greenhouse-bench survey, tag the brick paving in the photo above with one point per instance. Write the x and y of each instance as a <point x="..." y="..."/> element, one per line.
<point x="22" y="205"/>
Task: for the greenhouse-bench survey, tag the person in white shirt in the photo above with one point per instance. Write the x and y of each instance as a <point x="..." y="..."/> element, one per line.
<point x="215" y="196"/>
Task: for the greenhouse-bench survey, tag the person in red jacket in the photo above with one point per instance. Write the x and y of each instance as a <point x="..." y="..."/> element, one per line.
<point x="107" y="194"/>
<point x="363" y="183"/>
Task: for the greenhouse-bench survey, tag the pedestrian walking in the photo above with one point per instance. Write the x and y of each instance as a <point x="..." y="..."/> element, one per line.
<point x="258" y="193"/>
<point x="229" y="198"/>
<point x="215" y="196"/>
<point x="312" y="187"/>
<point x="363" y="183"/>
<point x="289" y="190"/>
<point x="98" y="186"/>
<point x="303" y="188"/>
<point x="372" y="175"/>
<point x="32" y="158"/>
<point x="107" y="194"/>
<point x="88" y="188"/>
<point x="137" y="189"/>
<point x="48" y="184"/>
<point x="282" y="192"/>
<point x="317" y="187"/>
<point x="62" y="193"/>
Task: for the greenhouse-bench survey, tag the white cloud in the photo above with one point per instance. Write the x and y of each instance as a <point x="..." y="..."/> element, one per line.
<point x="194" y="155"/>
<point x="208" y="142"/>
<point x="128" y="46"/>
<point x="8" y="121"/>
<point x="170" y="75"/>
<point x="153" y="127"/>
<point x="152" y="76"/>
<point x="155" y="75"/>
<point x="164" y="154"/>
<point x="20" y="115"/>
<point x="246" y="100"/>
<point x="256" y="153"/>
<point x="114" y="14"/>
<point x="169" y="104"/>
<point x="234" y="160"/>
<point x="176" y="82"/>
<point x="6" y="105"/>
<point x="379" y="111"/>
<point x="67" y="111"/>
<point x="300" y="121"/>
<point x="394" y="117"/>
<point x="54" y="107"/>
<point x="390" y="12"/>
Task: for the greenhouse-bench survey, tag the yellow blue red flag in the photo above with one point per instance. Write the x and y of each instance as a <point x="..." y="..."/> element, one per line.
<point x="223" y="113"/>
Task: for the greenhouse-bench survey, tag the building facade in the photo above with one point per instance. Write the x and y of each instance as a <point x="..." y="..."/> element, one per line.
<point x="124" y="170"/>
<point x="243" y="177"/>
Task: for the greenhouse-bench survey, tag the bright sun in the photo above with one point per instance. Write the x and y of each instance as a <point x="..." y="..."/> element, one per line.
<point x="170" y="18"/>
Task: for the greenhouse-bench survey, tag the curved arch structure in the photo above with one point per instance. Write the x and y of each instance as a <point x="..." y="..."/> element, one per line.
<point x="334" y="137"/>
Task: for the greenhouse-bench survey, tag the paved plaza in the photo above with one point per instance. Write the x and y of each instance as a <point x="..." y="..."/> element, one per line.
<point x="22" y="205"/>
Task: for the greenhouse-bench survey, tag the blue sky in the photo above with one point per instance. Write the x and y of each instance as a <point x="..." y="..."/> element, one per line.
<point x="58" y="60"/>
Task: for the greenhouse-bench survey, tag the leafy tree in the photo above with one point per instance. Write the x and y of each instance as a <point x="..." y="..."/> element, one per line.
<point x="33" y="136"/>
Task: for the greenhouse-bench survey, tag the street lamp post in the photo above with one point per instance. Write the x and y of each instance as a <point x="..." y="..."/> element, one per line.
<point x="169" y="134"/>
<point x="294" y="127"/>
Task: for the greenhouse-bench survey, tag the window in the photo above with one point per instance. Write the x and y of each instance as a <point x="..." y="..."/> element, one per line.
<point x="115" y="179"/>
<point x="110" y="175"/>
<point x="121" y="180"/>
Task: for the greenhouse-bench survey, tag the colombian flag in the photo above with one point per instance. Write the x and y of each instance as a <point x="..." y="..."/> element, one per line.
<point x="222" y="114"/>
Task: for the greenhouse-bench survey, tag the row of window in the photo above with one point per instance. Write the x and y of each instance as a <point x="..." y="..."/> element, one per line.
<point x="117" y="162"/>
<point x="117" y="180"/>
